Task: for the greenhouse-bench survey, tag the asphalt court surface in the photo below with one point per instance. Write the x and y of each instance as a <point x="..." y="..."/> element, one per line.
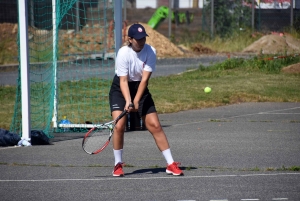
<point x="234" y="152"/>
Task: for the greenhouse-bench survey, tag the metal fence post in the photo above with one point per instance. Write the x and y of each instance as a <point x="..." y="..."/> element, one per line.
<point x="212" y="19"/>
<point x="292" y="14"/>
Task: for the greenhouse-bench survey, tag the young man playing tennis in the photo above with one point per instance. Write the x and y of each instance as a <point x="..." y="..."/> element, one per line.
<point x="134" y="66"/>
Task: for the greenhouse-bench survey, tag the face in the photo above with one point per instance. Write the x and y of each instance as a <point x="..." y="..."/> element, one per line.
<point x="137" y="45"/>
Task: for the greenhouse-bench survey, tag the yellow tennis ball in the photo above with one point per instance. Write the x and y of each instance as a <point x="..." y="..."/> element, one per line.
<point x="207" y="90"/>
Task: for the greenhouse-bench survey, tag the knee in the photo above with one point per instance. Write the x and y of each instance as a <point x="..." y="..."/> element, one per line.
<point x="119" y="129"/>
<point x="154" y="127"/>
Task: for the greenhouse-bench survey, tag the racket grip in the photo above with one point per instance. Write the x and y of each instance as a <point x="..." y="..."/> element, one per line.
<point x="130" y="105"/>
<point x="125" y="111"/>
<point x="123" y="114"/>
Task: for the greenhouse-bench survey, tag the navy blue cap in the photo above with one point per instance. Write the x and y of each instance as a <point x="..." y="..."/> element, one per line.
<point x="137" y="31"/>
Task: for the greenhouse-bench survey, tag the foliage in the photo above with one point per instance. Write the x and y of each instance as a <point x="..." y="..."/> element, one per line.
<point x="7" y="94"/>
<point x="229" y="16"/>
<point x="255" y="63"/>
<point x="6" y="55"/>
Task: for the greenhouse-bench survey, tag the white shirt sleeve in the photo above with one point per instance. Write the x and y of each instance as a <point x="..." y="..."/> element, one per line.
<point x="150" y="64"/>
<point x="122" y="64"/>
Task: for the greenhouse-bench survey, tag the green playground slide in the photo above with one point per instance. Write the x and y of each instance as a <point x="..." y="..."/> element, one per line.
<point x="163" y="12"/>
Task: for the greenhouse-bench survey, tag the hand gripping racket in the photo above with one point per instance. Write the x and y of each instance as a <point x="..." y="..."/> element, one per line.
<point x="95" y="137"/>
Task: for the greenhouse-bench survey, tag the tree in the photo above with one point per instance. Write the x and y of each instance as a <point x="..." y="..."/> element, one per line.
<point x="229" y="16"/>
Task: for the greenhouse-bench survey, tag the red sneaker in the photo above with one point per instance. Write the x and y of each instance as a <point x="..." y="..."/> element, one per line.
<point x="174" y="169"/>
<point x="118" y="170"/>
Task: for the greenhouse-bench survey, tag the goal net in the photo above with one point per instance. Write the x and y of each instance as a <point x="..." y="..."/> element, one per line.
<point x="71" y="56"/>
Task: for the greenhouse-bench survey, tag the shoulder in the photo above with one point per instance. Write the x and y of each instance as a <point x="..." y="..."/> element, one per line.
<point x="124" y="49"/>
<point x="123" y="53"/>
<point x="150" y="49"/>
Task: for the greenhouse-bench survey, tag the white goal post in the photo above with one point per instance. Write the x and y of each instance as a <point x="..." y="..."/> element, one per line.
<point x="24" y="63"/>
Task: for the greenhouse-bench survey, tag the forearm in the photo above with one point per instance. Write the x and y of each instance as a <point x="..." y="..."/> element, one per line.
<point x="143" y="85"/>
<point x="125" y="89"/>
<point x="140" y="91"/>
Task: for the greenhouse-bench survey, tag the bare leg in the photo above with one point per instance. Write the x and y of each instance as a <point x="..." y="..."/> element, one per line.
<point x="118" y="136"/>
<point x="118" y="142"/>
<point x="153" y="125"/>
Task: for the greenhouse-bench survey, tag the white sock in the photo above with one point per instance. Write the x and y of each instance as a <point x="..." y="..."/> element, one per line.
<point x="118" y="156"/>
<point x="168" y="156"/>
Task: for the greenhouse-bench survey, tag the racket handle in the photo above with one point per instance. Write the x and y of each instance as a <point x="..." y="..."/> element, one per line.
<point x="122" y="114"/>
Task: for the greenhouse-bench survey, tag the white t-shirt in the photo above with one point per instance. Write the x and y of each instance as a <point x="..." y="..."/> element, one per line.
<point x="133" y="63"/>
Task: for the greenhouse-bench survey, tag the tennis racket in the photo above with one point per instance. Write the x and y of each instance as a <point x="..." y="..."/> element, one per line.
<point x="96" y="136"/>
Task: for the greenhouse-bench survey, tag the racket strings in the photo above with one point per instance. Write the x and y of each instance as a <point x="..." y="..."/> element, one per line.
<point x="96" y="139"/>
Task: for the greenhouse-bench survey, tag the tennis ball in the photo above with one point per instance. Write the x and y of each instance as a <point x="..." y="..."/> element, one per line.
<point x="207" y="90"/>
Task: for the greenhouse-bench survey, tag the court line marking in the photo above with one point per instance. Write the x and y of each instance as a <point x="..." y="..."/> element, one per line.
<point x="243" y="115"/>
<point x="249" y="199"/>
<point x="11" y="147"/>
<point x="282" y="110"/>
<point x="147" y="178"/>
<point x="279" y="113"/>
<point x="186" y="200"/>
<point x="219" y="200"/>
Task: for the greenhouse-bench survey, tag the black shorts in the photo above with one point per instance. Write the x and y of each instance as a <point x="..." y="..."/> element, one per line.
<point x="117" y="100"/>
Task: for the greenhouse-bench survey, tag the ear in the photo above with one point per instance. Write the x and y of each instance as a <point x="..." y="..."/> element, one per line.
<point x="130" y="39"/>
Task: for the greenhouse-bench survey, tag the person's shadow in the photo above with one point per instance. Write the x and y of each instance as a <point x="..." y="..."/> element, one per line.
<point x="156" y="170"/>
